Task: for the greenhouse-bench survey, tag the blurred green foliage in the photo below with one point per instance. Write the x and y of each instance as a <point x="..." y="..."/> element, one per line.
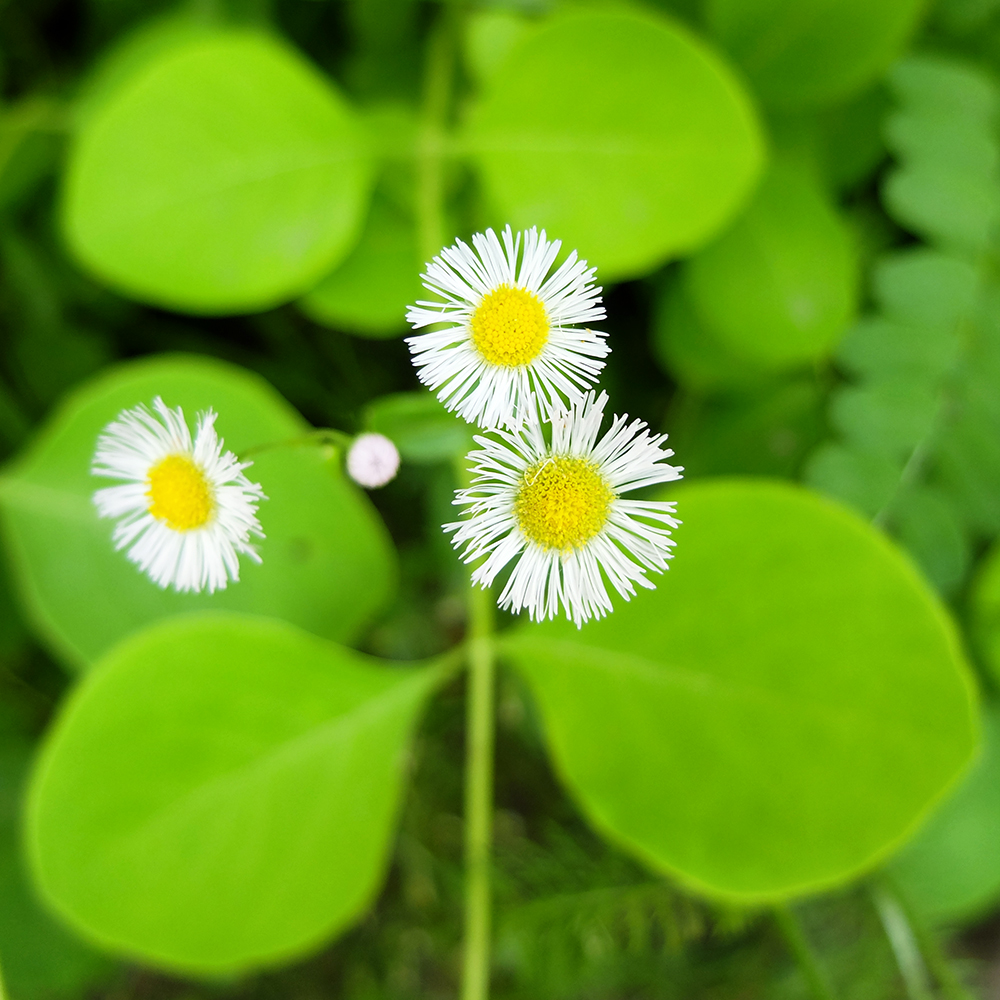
<point x="797" y="202"/>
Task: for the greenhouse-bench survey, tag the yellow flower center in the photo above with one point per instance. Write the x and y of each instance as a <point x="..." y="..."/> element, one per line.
<point x="509" y="327"/>
<point x="563" y="502"/>
<point x="179" y="493"/>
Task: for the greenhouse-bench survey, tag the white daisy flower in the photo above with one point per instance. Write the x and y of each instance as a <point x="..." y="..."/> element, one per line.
<point x="556" y="507"/>
<point x="186" y="511"/>
<point x="511" y="330"/>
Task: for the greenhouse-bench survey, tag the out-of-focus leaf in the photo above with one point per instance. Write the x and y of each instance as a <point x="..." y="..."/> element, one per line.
<point x="490" y="36"/>
<point x="947" y="187"/>
<point x="864" y="480"/>
<point x="420" y="427"/>
<point x="779" y="287"/>
<point x="225" y="176"/>
<point x="644" y="155"/>
<point x="689" y="352"/>
<point x="763" y="430"/>
<point x="368" y="293"/>
<point x="932" y="531"/>
<point x="776" y="716"/>
<point x="883" y="350"/>
<point x="926" y="288"/>
<point x="327" y="562"/>
<point x="220" y="793"/>
<point x="805" y="53"/>
<point x="889" y="417"/>
<point x="41" y="959"/>
<point x="950" y="872"/>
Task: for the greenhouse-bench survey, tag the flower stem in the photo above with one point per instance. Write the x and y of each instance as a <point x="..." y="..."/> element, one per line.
<point x="936" y="962"/>
<point x="478" y="796"/>
<point x="438" y="75"/>
<point x="903" y="943"/>
<point x="798" y="944"/>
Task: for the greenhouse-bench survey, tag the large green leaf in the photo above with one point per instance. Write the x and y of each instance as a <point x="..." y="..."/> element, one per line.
<point x="801" y="53"/>
<point x="779" y="287"/>
<point x="368" y="293"/>
<point x="951" y="870"/>
<point x="420" y="427"/>
<point x="619" y="132"/>
<point x="220" y="793"/>
<point x="777" y="715"/>
<point x="225" y="176"/>
<point x="327" y="562"/>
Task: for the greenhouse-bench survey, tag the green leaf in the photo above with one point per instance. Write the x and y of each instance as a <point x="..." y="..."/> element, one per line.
<point x="775" y="717"/>
<point x="804" y="53"/>
<point x="643" y="156"/>
<point x="880" y="349"/>
<point x="888" y="417"/>
<point x="41" y="959"/>
<point x="220" y="793"/>
<point x="226" y="176"/>
<point x="986" y="610"/>
<point x="780" y="287"/>
<point x="932" y="530"/>
<point x="766" y="430"/>
<point x="950" y="872"/>
<point x="420" y="427"/>
<point x="865" y="480"/>
<point x="690" y="352"/>
<point x="327" y="562"/>
<point x="490" y="36"/>
<point x="368" y="293"/>
<point x="944" y="133"/>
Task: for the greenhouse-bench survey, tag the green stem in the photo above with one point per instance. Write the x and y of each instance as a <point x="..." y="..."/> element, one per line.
<point x="431" y="142"/>
<point x="478" y="796"/>
<point x="798" y="944"/>
<point x="936" y="960"/>
<point x="903" y="942"/>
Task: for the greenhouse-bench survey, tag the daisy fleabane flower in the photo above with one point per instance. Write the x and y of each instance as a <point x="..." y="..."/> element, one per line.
<point x="512" y="327"/>
<point x="556" y="507"/>
<point x="185" y="510"/>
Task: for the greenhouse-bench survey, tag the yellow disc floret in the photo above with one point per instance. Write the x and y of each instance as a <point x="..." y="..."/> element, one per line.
<point x="510" y="326"/>
<point x="179" y="493"/>
<point x="562" y="502"/>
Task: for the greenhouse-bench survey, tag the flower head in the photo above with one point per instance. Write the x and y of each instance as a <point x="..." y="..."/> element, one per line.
<point x="372" y="460"/>
<point x="185" y="509"/>
<point x="512" y="330"/>
<point x="556" y="507"/>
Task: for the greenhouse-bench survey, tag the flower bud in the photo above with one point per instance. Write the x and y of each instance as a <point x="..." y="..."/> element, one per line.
<point x="372" y="461"/>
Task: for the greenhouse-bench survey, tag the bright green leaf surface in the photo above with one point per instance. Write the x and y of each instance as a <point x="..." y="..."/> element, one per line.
<point x="803" y="53"/>
<point x="950" y="872"/>
<point x="644" y="155"/>
<point x="220" y="793"/>
<point x="780" y="286"/>
<point x="777" y="715"/>
<point x="986" y="610"/>
<point x="327" y="562"/>
<point x="227" y="176"/>
<point x="368" y="294"/>
<point x="420" y="427"/>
